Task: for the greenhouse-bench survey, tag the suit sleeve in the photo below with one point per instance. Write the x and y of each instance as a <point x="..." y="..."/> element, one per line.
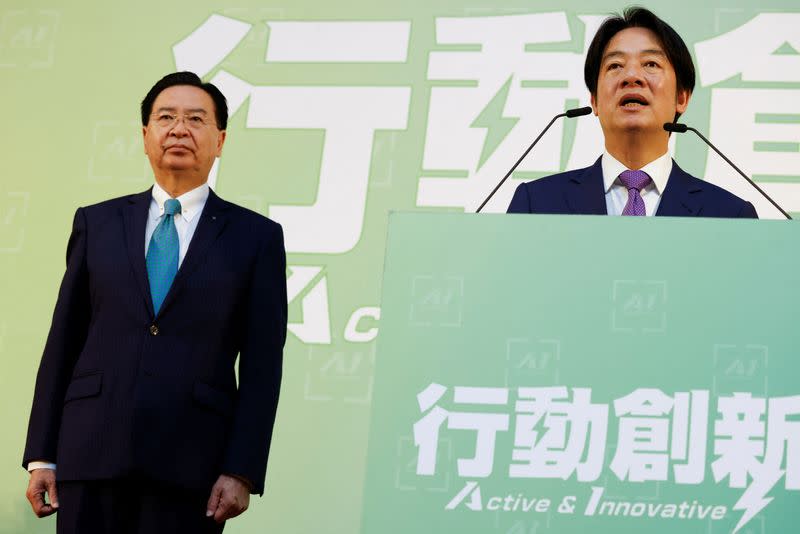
<point x="748" y="211"/>
<point x="67" y="336"/>
<point x="521" y="203"/>
<point x="260" y="365"/>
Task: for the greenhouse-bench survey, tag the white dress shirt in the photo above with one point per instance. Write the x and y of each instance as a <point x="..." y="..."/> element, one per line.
<point x="192" y="204"/>
<point x="617" y="194"/>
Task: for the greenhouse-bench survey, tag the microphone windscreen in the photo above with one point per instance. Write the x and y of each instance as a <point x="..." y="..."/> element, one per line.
<point x="675" y="127"/>
<point x="578" y="112"/>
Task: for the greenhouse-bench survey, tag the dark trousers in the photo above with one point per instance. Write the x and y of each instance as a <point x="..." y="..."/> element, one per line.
<point x="131" y="507"/>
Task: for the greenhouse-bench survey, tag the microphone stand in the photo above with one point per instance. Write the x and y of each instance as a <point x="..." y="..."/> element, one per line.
<point x="682" y="128"/>
<point x="570" y="113"/>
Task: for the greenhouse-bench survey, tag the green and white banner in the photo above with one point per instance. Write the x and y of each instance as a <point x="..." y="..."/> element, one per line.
<point x="535" y="375"/>
<point x="340" y="112"/>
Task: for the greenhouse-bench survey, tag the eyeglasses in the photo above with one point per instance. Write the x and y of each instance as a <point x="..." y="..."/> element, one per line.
<point x="195" y="121"/>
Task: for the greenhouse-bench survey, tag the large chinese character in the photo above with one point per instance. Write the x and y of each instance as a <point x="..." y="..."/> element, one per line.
<point x="485" y="425"/>
<point x="572" y="430"/>
<point x="490" y="103"/>
<point x="757" y="127"/>
<point x="756" y="453"/>
<point x="644" y="447"/>
<point x="348" y="117"/>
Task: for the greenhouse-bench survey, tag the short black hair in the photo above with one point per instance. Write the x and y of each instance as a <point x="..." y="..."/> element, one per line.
<point x="639" y="17"/>
<point x="187" y="78"/>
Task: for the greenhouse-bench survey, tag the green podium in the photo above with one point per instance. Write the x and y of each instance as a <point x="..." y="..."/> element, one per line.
<point x="574" y="374"/>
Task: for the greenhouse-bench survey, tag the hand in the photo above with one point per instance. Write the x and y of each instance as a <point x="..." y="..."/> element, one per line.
<point x="43" y="481"/>
<point x="229" y="498"/>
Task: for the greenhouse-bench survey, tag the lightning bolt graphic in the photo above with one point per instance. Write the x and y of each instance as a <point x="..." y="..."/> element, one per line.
<point x="753" y="500"/>
<point x="497" y="126"/>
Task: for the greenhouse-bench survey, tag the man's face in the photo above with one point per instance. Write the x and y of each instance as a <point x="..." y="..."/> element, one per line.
<point x="182" y="133"/>
<point x="636" y="88"/>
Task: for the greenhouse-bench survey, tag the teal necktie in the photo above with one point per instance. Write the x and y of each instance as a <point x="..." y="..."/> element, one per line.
<point x="162" y="254"/>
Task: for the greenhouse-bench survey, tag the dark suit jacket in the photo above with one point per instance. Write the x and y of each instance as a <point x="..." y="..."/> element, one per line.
<point x="581" y="192"/>
<point x="123" y="392"/>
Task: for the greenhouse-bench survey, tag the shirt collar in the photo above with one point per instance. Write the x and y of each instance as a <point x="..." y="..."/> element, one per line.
<point x="658" y="170"/>
<point x="192" y="202"/>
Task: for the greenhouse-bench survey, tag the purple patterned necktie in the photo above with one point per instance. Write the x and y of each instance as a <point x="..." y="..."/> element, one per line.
<point x="634" y="181"/>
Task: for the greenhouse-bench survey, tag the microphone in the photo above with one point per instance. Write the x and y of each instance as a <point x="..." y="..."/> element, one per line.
<point x="570" y="113"/>
<point x="577" y="112"/>
<point x="682" y="128"/>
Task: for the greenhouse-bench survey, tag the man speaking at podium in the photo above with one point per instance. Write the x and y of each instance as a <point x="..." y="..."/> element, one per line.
<point x="137" y="424"/>
<point x="640" y="75"/>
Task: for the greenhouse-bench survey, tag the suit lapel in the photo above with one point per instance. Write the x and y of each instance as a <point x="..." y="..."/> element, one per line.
<point x="585" y="194"/>
<point x="212" y="221"/>
<point x="135" y="221"/>
<point x="682" y="196"/>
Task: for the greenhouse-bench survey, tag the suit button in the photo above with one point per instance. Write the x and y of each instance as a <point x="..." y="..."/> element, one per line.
<point x="153" y="330"/>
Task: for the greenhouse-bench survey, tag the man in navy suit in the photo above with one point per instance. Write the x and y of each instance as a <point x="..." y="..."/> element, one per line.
<point x="640" y="75"/>
<point x="138" y="424"/>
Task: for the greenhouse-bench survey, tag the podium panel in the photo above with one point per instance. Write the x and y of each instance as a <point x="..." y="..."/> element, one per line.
<point x="573" y="374"/>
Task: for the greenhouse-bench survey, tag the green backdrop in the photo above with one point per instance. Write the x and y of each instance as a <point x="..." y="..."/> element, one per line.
<point x="343" y="111"/>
